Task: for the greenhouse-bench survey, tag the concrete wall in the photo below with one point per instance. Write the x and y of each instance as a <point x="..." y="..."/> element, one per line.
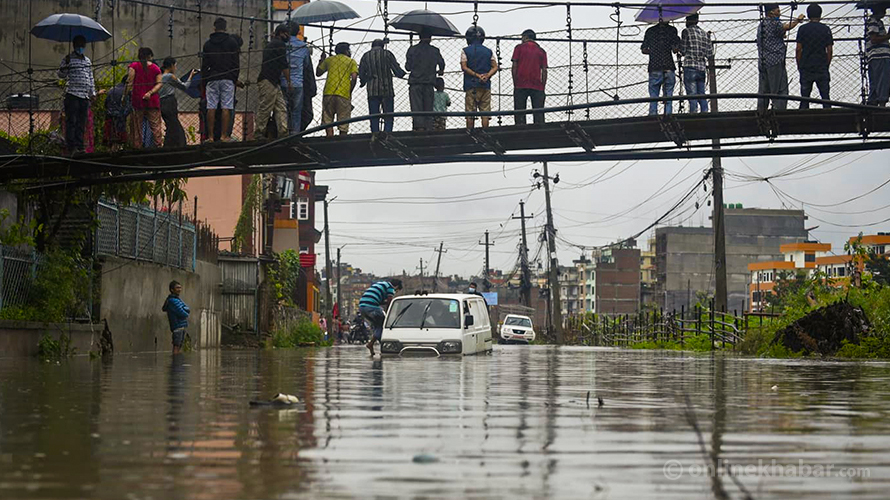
<point x="20" y="338"/>
<point x="685" y="255"/>
<point x="133" y="293"/>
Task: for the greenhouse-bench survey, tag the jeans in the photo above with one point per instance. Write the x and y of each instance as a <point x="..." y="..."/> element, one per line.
<point x="376" y="317"/>
<point x="175" y="135"/>
<point x="421" y="97"/>
<point x="879" y="81"/>
<point x="520" y="99"/>
<point x="773" y="80"/>
<point x="695" y="85"/>
<point x="822" y="80"/>
<point x="76" y="110"/>
<point x="294" y="110"/>
<point x="661" y="81"/>
<point x="375" y="103"/>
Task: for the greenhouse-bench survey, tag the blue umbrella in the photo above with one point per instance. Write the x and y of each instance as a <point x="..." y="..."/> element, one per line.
<point x="64" y="27"/>
<point x="669" y="10"/>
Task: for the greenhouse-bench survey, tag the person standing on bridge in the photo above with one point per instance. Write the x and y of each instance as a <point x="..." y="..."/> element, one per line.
<point x="479" y="65"/>
<point x="659" y="42"/>
<point x="815" y="46"/>
<point x="219" y="72"/>
<point x="294" y="82"/>
<point x="273" y="70"/>
<point x="422" y="60"/>
<point x="372" y="305"/>
<point x="376" y="70"/>
<point x="342" y="73"/>
<point x="80" y="88"/>
<point x="529" y="77"/>
<point x="773" y="77"/>
<point x="877" y="51"/>
<point x="143" y="84"/>
<point x="697" y="50"/>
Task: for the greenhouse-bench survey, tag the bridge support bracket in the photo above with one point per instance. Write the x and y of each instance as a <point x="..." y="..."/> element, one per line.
<point x="484" y="139"/>
<point x="579" y="136"/>
<point x="394" y="145"/>
<point x="672" y="130"/>
<point x="312" y="154"/>
<point x="864" y="123"/>
<point x="768" y="124"/>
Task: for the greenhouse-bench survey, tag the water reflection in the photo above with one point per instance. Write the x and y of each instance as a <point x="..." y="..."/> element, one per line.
<point x="512" y="424"/>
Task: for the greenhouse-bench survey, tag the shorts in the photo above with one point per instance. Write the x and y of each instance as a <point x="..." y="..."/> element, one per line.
<point x="375" y="316"/>
<point x="221" y="92"/>
<point x="340" y="106"/>
<point x="179" y="337"/>
<point x="478" y="100"/>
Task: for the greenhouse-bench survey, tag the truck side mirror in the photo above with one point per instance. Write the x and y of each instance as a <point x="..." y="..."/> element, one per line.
<point x="468" y="320"/>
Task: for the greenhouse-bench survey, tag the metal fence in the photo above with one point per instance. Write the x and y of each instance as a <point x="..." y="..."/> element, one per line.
<point x="18" y="269"/>
<point x="137" y="232"/>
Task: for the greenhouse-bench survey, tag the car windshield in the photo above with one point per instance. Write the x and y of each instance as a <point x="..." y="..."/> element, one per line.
<point x="514" y="321"/>
<point x="429" y="313"/>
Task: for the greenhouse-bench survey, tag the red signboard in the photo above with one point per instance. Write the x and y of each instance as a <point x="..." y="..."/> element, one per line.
<point x="307" y="259"/>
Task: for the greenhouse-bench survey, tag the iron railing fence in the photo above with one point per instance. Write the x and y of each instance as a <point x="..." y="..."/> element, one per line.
<point x="140" y="233"/>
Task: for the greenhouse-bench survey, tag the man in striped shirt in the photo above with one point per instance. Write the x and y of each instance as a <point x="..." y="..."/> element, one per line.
<point x="371" y="305"/>
<point x="877" y="51"/>
<point x="80" y="89"/>
<point x="376" y="70"/>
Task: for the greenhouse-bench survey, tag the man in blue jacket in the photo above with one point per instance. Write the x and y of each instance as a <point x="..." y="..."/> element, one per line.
<point x="178" y="314"/>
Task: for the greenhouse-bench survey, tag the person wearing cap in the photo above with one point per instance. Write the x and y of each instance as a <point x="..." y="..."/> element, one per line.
<point x="375" y="71"/>
<point x="422" y="61"/>
<point x="479" y="65"/>
<point x="773" y="78"/>
<point x="336" y="100"/>
<point x="877" y="52"/>
<point x="529" y="77"/>
<point x="697" y="49"/>
<point x="659" y="43"/>
<point x="813" y="55"/>
<point x="220" y="67"/>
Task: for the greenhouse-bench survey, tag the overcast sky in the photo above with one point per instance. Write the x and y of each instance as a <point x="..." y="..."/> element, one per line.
<point x="390" y="218"/>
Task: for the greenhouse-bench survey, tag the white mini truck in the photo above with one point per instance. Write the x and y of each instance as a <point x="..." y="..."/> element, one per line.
<point x="438" y="324"/>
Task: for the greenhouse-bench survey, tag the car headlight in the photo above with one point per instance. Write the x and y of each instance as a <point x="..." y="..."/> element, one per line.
<point x="451" y="346"/>
<point x="390" y="346"/>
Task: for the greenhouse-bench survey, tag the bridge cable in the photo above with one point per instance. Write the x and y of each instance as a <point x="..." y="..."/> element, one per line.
<point x="497" y="47"/>
<point x="201" y="61"/>
<point x="170" y="29"/>
<point x="385" y="19"/>
<point x="569" y="100"/>
<point x="586" y="82"/>
<point x="250" y="34"/>
<point x="617" y="19"/>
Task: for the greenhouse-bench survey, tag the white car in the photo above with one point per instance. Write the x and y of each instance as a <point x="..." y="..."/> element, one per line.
<point x="517" y="328"/>
<point x="436" y="324"/>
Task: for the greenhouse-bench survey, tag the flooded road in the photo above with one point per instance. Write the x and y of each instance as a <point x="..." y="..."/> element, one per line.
<point x="513" y="424"/>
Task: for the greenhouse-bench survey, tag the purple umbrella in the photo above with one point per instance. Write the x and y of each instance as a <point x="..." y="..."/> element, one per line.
<point x="668" y="10"/>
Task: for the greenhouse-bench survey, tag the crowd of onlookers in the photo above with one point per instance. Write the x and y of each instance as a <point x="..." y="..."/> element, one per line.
<point x="147" y="95"/>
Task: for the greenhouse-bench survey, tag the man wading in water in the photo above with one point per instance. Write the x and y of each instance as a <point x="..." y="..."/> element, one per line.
<point x="371" y="305"/>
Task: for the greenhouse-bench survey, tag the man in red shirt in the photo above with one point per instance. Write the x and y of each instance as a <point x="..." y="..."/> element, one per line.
<point x="529" y="76"/>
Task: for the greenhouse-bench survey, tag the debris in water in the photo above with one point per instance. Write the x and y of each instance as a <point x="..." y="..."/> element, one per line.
<point x="824" y="330"/>
<point x="599" y="401"/>
<point x="423" y="458"/>
<point x="774" y="388"/>
<point x="279" y="400"/>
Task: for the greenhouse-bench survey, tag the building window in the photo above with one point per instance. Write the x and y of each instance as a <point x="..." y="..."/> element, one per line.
<point x="300" y="209"/>
<point x="841" y="271"/>
<point x="809" y="257"/>
<point x="304" y="250"/>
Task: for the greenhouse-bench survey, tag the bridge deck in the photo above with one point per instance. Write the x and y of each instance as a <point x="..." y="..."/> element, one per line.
<point x="673" y="133"/>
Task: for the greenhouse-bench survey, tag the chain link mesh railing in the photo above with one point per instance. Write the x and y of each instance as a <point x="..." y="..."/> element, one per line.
<point x="140" y="233"/>
<point x="19" y="269"/>
<point x="598" y="64"/>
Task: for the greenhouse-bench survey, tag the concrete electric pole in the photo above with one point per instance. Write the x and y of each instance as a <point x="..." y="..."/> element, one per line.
<point x="438" y="261"/>
<point x="329" y="307"/>
<point x="487" y="272"/>
<point x="720" y="295"/>
<point x="553" y="278"/>
<point x="525" y="289"/>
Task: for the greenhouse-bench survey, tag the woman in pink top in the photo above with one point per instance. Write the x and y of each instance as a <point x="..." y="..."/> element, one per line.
<point x="144" y="81"/>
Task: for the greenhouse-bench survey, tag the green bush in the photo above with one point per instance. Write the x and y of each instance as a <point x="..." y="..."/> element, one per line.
<point x="50" y="349"/>
<point x="301" y="334"/>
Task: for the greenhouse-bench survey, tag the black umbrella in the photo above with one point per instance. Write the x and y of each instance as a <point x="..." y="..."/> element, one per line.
<point x="424" y="21"/>
<point x="868" y="4"/>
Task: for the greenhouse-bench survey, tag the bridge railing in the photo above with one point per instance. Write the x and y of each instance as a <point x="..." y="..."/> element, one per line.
<point x="597" y="64"/>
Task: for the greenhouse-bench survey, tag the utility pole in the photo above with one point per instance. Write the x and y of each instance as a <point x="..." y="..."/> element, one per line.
<point x="421" y="273"/>
<point x="556" y="315"/>
<point x="487" y="283"/>
<point x="438" y="261"/>
<point x="525" y="288"/>
<point x="720" y="296"/>
<point x="339" y="284"/>
<point x="329" y="308"/>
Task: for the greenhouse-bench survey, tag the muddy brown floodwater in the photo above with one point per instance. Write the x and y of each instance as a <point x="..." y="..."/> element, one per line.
<point x="513" y="424"/>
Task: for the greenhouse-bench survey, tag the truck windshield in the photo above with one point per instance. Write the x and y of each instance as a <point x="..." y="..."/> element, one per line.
<point x="430" y="313"/>
<point x="514" y="321"/>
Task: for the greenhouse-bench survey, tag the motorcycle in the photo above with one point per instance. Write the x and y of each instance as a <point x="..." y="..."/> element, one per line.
<point x="359" y="332"/>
